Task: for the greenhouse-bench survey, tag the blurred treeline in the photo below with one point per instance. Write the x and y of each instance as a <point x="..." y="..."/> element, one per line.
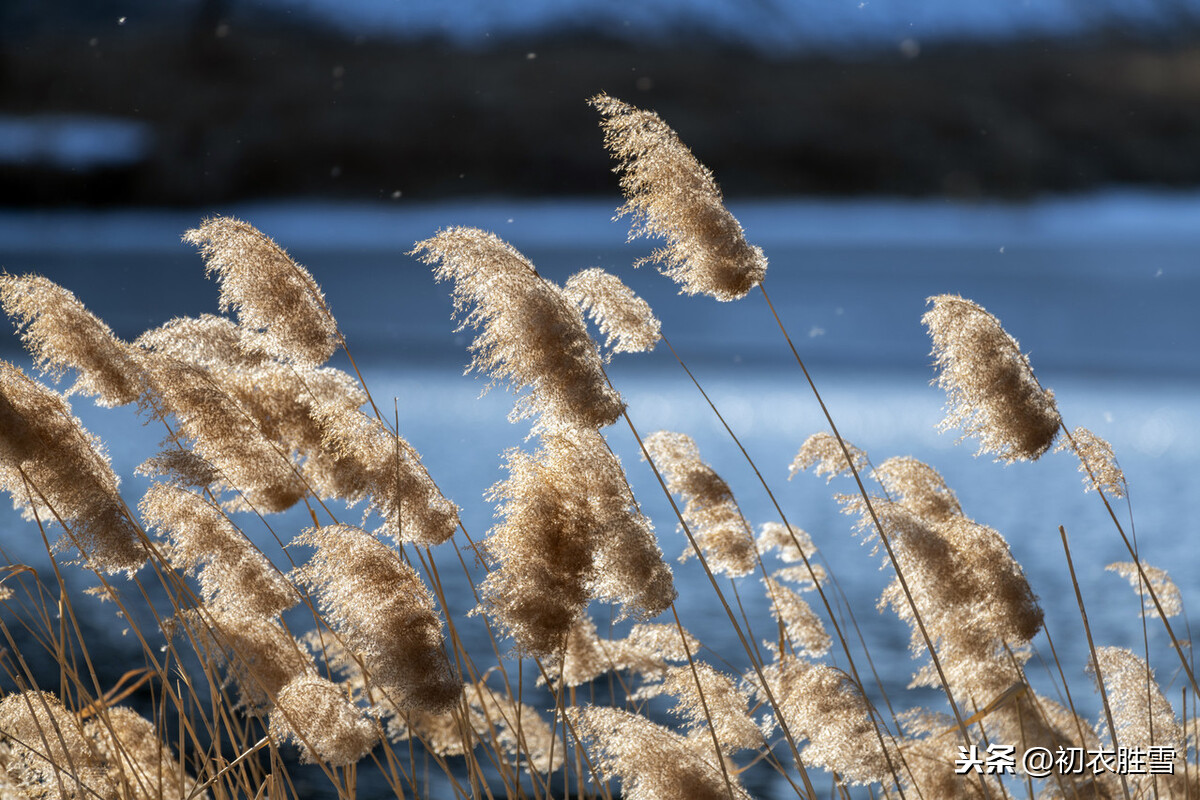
<point x="249" y="105"/>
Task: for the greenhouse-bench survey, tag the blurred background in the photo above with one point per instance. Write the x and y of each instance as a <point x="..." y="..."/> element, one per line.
<point x="197" y="101"/>
<point x="1041" y="158"/>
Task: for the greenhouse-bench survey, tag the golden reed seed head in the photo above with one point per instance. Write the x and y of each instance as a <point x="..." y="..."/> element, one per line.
<point x="179" y="468"/>
<point x="139" y="762"/>
<point x="234" y="575"/>
<point x="56" y="471"/>
<point x="1142" y="715"/>
<point x="518" y="728"/>
<point x="672" y="195"/>
<point x="803" y="627"/>
<point x="270" y="292"/>
<point x="316" y="715"/>
<point x="821" y="704"/>
<point x="360" y="459"/>
<point x="652" y="762"/>
<point x="208" y="341"/>
<point x="259" y="656"/>
<point x="530" y="335"/>
<point x="794" y="546"/>
<point x="572" y="532"/>
<point x="919" y="488"/>
<point x="62" y="334"/>
<point x="384" y="614"/>
<point x="991" y="390"/>
<point x="969" y="590"/>
<point x="710" y="511"/>
<point x="624" y="318"/>
<point x="258" y="470"/>
<point x="645" y="652"/>
<point x="1164" y="588"/>
<point x="727" y="706"/>
<point x="49" y="755"/>
<point x="1097" y="462"/>
<point x="823" y="450"/>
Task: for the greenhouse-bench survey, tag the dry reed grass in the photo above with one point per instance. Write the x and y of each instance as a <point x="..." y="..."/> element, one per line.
<point x="383" y="682"/>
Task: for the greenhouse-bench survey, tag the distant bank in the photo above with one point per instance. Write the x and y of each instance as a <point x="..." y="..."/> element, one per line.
<point x="255" y="111"/>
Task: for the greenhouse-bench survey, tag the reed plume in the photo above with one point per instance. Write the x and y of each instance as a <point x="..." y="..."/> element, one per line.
<point x="626" y="320"/>
<point x="55" y="470"/>
<point x="571" y="532"/>
<point x="315" y="714"/>
<point x="801" y="624"/>
<point x="384" y="614"/>
<point x="1142" y="715"/>
<point x="706" y="698"/>
<point x="530" y="335"/>
<point x="824" y="451"/>
<point x="717" y="524"/>
<point x="49" y="754"/>
<point x="991" y="390"/>
<point x="671" y="195"/>
<point x="821" y="704"/>
<point x="62" y="334"/>
<point x="363" y="460"/>
<point x="1097" y="462"/>
<point x="652" y="762"/>
<point x="794" y="545"/>
<point x="234" y="575"/>
<point x="137" y="759"/>
<point x="259" y="473"/>
<point x="274" y="297"/>
<point x="919" y="488"/>
<point x="1160" y="582"/>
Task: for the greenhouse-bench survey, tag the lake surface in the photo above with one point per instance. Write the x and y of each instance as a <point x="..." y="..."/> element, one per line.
<point x="1100" y="291"/>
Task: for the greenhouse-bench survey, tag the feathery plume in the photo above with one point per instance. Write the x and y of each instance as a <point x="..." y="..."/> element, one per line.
<point x="991" y="390"/>
<point x="652" y="762"/>
<point x="530" y="335"/>
<point x="717" y="524"/>
<point x="919" y="488"/>
<point x="366" y="461"/>
<point x="726" y="705"/>
<point x="49" y="755"/>
<point x="271" y="293"/>
<point x="1142" y="715"/>
<point x="518" y="728"/>
<point x="179" y="468"/>
<point x="224" y="434"/>
<point x="258" y="654"/>
<point x="624" y="318"/>
<point x="234" y="575"/>
<point x="803" y="626"/>
<point x="794" y="545"/>
<point x="672" y="195"/>
<point x="646" y="651"/>
<point x="821" y="704"/>
<point x="208" y="341"/>
<point x="969" y="590"/>
<point x="62" y="334"/>
<point x="571" y="533"/>
<point x="315" y="714"/>
<point x="823" y="450"/>
<point x="137" y="759"/>
<point x="54" y="469"/>
<point x="1164" y="588"/>
<point x="1097" y="462"/>
<point x="383" y="612"/>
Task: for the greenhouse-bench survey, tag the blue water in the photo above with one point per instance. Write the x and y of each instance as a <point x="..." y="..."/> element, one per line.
<point x="1100" y="291"/>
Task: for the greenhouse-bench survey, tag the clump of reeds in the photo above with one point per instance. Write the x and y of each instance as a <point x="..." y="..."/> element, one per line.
<point x="347" y="648"/>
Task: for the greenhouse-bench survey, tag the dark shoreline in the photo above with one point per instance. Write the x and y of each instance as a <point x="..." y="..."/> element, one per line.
<point x="262" y="113"/>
